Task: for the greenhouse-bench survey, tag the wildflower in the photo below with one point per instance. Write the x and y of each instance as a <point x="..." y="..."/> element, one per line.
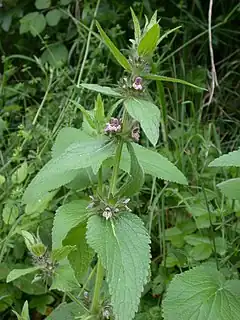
<point x="113" y="126"/>
<point x="137" y="84"/>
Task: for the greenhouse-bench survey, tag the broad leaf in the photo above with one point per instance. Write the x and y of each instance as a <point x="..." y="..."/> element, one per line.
<point x="17" y="273"/>
<point x="123" y="248"/>
<point x="61" y="170"/>
<point x="61" y="253"/>
<point x="64" y="278"/>
<point x="231" y="159"/>
<point x="80" y="258"/>
<point x="135" y="180"/>
<point x="101" y="89"/>
<point x="230" y="188"/>
<point x="53" y="17"/>
<point x="149" y="41"/>
<point x="154" y="164"/>
<point x="169" y="79"/>
<point x="67" y="217"/>
<point x="147" y="114"/>
<point x="114" y="50"/>
<point x="66" y="311"/>
<point x="202" y="294"/>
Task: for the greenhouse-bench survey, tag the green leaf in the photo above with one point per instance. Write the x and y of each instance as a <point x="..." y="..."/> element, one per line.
<point x="64" y="278"/>
<point x="10" y="213"/>
<point x="66" y="311"/>
<point x="154" y="164"/>
<point x="61" y="253"/>
<point x="66" y="218"/>
<point x="42" y="4"/>
<point x="55" y="54"/>
<point x="230" y="188"/>
<point x="135" y="180"/>
<point x="168" y="79"/>
<point x="201" y="252"/>
<point x="149" y="41"/>
<point x="17" y="273"/>
<point x="137" y="29"/>
<point x="20" y="174"/>
<point x="33" y="22"/>
<point x="101" y="89"/>
<point x="231" y="159"/>
<point x="202" y="294"/>
<point x="53" y="17"/>
<point x="123" y="248"/>
<point x="114" y="50"/>
<point x="80" y="258"/>
<point x="62" y="169"/>
<point x="147" y="114"/>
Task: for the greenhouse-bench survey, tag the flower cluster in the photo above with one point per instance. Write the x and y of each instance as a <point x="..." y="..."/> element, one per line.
<point x="113" y="126"/>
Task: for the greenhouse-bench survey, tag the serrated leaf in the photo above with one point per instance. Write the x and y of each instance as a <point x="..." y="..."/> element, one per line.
<point x="33" y="22"/>
<point x="231" y="159"/>
<point x="137" y="29"/>
<point x="147" y="114"/>
<point x="80" y="258"/>
<point x="66" y="218"/>
<point x="202" y="294"/>
<point x="62" y="169"/>
<point x="61" y="253"/>
<point x="64" y="278"/>
<point x="42" y="4"/>
<point x="55" y="54"/>
<point x="20" y="174"/>
<point x="154" y="164"/>
<point x="101" y="89"/>
<point x="53" y="17"/>
<point x="230" y="188"/>
<point x="17" y="273"/>
<point x="169" y="79"/>
<point x="135" y="180"/>
<point x="66" y="311"/>
<point x="201" y="252"/>
<point x="149" y="41"/>
<point x="121" y="59"/>
<point x="123" y="248"/>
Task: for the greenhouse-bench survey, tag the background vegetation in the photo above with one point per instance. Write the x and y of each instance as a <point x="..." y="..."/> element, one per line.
<point x="48" y="48"/>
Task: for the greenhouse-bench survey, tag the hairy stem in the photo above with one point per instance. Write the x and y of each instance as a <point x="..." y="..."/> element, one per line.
<point x="97" y="288"/>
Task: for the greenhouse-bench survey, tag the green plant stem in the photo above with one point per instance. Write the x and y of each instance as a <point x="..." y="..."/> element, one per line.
<point x="113" y="182"/>
<point x="97" y="288"/>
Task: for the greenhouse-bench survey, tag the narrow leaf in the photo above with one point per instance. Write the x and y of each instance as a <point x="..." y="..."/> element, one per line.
<point x="169" y="79"/>
<point x="114" y="50"/>
<point x="137" y="29"/>
<point x="135" y="180"/>
<point x="101" y="89"/>
<point x="125" y="254"/>
<point x="17" y="273"/>
<point x="147" y="114"/>
<point x="149" y="41"/>
<point x="66" y="218"/>
<point x="202" y="293"/>
<point x="231" y="159"/>
<point x="154" y="164"/>
<point x="230" y="188"/>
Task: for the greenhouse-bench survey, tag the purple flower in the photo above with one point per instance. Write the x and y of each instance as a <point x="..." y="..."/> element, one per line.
<point x="137" y="84"/>
<point x="113" y="126"/>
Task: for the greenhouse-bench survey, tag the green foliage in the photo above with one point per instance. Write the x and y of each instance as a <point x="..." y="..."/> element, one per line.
<point x="123" y="249"/>
<point x="202" y="293"/>
<point x="147" y="114"/>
